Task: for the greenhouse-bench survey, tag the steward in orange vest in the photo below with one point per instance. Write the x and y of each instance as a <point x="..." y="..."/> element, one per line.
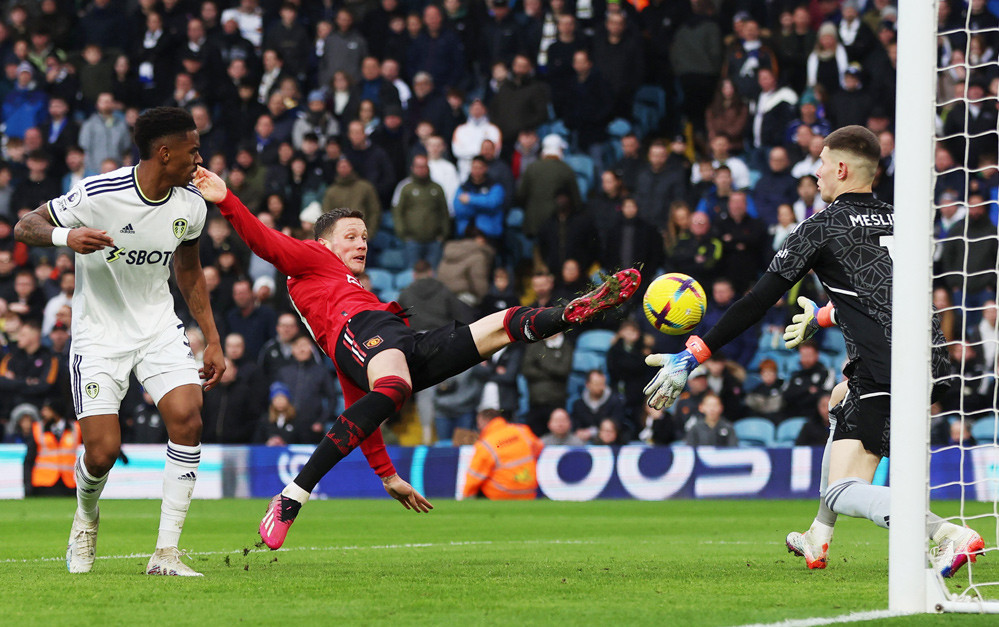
<point x="504" y="466"/>
<point x="52" y="454"/>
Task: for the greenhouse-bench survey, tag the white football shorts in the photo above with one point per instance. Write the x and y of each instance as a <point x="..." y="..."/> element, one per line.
<point x="99" y="382"/>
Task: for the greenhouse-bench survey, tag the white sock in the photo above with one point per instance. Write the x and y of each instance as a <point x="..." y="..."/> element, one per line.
<point x="293" y="491"/>
<point x="858" y="498"/>
<point x="826" y="516"/>
<point x="88" y="490"/>
<point x="179" y="476"/>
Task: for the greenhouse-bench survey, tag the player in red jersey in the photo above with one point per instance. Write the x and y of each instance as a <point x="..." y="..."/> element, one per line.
<point x="379" y="359"/>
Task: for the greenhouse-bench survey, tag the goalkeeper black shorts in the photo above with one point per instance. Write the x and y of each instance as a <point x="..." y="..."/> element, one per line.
<point x="865" y="414"/>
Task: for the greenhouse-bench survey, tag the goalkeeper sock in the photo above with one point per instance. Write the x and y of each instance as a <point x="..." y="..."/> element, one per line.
<point x="352" y="427"/>
<point x="88" y="490"/>
<point x="532" y="324"/>
<point x="858" y="498"/>
<point x="179" y="476"/>
<point x="825" y="515"/>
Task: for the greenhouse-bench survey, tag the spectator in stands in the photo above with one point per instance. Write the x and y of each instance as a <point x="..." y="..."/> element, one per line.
<point x="714" y="201"/>
<point x="857" y="38"/>
<point x="604" y="205"/>
<point x="725" y="379"/>
<point x="973" y="116"/>
<point x="658" y="185"/>
<point x="809" y="201"/>
<point x="289" y="37"/>
<point x="766" y="399"/>
<point x="375" y="25"/>
<point x="421" y="217"/>
<point x="249" y="17"/>
<point x="526" y="151"/>
<point x="711" y="428"/>
<point x="567" y="234"/>
<point x="468" y="137"/>
<point x="104" y="135"/>
<point x="558" y="70"/>
<point x="806" y="385"/>
<point x="772" y="111"/>
<point x="479" y="203"/>
<point x="585" y="104"/>
<point x="629" y="241"/>
<point x="815" y="431"/>
<point x="609" y="433"/>
<point x="697" y="253"/>
<point x="546" y="366"/>
<point x="38" y="187"/>
<point x="343" y="49"/>
<point x="726" y="117"/>
<point x="442" y="171"/>
<point x="454" y="403"/>
<point x="503" y="33"/>
<point x="659" y="428"/>
<point x="311" y="386"/>
<point x="465" y="266"/>
<point x="745" y="249"/>
<point x="504" y="466"/>
<point x="276" y="352"/>
<point x="786" y="223"/>
<point x="60" y="132"/>
<point x="67" y="285"/>
<point x="350" y="190"/>
<point x="251" y="320"/>
<point x="521" y="102"/>
<point x="51" y="453"/>
<point x="145" y="425"/>
<point x="775" y="187"/>
<point x="626" y="365"/>
<point x="25" y="105"/>
<point x="809" y="164"/>
<point x="29" y="371"/>
<point x="969" y="261"/>
<point x="279" y="425"/>
<point x="794" y="45"/>
<point x="828" y="61"/>
<point x="437" y="51"/>
<point x="853" y="104"/>
<point x="988" y="333"/>
<point x="25" y="298"/>
<point x="696" y="56"/>
<point x="499" y="375"/>
<point x="315" y="119"/>
<point x="619" y="58"/>
<point x="598" y="401"/>
<point x="560" y="430"/>
<point x="747" y="55"/>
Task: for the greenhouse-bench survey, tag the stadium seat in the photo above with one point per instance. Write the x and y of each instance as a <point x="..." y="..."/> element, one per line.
<point x="583" y="361"/>
<point x="443" y="443"/>
<point x="654" y="96"/>
<point x="392" y="259"/>
<point x="832" y="341"/>
<point x="555" y="127"/>
<point x="381" y="280"/>
<point x="788" y="430"/>
<point x="515" y="218"/>
<point x="984" y="430"/>
<point x="582" y="165"/>
<point x="523" y="403"/>
<point x="618" y="128"/>
<point x="403" y="279"/>
<point x="382" y="240"/>
<point x="755" y="432"/>
<point x="596" y="340"/>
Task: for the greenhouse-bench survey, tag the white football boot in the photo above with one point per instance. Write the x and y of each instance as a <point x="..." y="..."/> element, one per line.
<point x="816" y="553"/>
<point x="167" y="561"/>
<point x="82" y="547"/>
<point x="955" y="549"/>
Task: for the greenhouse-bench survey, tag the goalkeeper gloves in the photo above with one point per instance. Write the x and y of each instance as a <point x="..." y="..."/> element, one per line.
<point x="666" y="386"/>
<point x="804" y="325"/>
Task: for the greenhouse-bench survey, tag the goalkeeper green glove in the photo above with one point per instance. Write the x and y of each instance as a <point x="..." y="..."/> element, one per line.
<point x="666" y="386"/>
<point x="804" y="325"/>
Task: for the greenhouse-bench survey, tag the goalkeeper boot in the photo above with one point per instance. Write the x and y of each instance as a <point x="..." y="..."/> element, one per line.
<point x="166" y="561"/>
<point x="615" y="290"/>
<point x="82" y="547"/>
<point x="955" y="549"/>
<point x="804" y="545"/>
<point x="281" y="512"/>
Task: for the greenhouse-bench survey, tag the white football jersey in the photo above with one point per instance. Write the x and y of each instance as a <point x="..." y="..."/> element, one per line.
<point x="122" y="298"/>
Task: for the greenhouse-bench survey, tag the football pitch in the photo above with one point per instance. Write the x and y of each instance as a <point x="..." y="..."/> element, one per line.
<point x="370" y="562"/>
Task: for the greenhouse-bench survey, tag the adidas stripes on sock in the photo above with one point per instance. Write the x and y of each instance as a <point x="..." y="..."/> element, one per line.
<point x="179" y="476"/>
<point x="533" y="324"/>
<point x="88" y="490"/>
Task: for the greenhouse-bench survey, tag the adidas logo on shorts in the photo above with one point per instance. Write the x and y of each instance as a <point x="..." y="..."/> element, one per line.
<point x="127" y="229"/>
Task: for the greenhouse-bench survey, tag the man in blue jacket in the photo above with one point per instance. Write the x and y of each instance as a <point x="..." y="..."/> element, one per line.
<point x="480" y="203"/>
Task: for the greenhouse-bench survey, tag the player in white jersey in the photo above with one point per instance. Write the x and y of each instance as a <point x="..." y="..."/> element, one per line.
<point x="127" y="227"/>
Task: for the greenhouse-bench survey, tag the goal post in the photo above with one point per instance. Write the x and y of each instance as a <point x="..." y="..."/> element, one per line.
<point x="912" y="286"/>
<point x="913" y="586"/>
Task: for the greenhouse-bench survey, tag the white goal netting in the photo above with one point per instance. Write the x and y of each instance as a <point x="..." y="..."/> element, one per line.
<point x="964" y="423"/>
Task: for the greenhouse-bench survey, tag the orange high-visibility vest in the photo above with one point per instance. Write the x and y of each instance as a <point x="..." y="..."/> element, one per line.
<point x="504" y="466"/>
<point x="56" y="458"/>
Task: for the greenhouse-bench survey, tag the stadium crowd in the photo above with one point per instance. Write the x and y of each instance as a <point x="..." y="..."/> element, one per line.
<point x="502" y="152"/>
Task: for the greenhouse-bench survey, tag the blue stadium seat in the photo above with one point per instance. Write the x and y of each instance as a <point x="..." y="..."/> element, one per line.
<point x="556" y="127"/>
<point x="597" y="340"/>
<point x="984" y="430"/>
<point x="523" y="403"/>
<point x="584" y="361"/>
<point x="574" y="388"/>
<point x="381" y="280"/>
<point x="392" y="259"/>
<point x="832" y="341"/>
<point x="515" y="218"/>
<point x="582" y="165"/>
<point x="654" y="96"/>
<point x="443" y="443"/>
<point x="788" y="430"/>
<point x="382" y="240"/>
<point x="618" y="128"/>
<point x="755" y="432"/>
<point x="403" y="279"/>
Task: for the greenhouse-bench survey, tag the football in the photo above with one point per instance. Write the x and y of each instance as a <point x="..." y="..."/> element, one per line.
<point x="674" y="303"/>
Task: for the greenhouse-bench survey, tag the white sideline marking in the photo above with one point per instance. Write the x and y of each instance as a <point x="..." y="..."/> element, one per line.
<point x="414" y="545"/>
<point x="856" y="617"/>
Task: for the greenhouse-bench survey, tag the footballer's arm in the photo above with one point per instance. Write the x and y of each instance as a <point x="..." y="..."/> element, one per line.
<point x="191" y="281"/>
<point x="37" y="229"/>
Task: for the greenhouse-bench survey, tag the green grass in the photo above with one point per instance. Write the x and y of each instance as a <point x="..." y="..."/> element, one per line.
<point x="468" y="563"/>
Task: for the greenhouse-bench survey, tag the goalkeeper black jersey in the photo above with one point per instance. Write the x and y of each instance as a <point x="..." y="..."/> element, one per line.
<point x="849" y="246"/>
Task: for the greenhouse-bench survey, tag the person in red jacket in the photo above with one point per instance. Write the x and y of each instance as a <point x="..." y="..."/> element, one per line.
<point x="379" y="359"/>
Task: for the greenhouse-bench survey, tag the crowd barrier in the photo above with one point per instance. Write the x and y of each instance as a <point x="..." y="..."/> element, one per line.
<point x="564" y="473"/>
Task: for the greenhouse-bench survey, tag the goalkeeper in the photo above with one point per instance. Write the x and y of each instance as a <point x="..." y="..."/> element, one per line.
<point x="848" y="246"/>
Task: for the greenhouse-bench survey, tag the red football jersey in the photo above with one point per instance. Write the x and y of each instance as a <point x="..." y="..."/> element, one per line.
<point x="323" y="291"/>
